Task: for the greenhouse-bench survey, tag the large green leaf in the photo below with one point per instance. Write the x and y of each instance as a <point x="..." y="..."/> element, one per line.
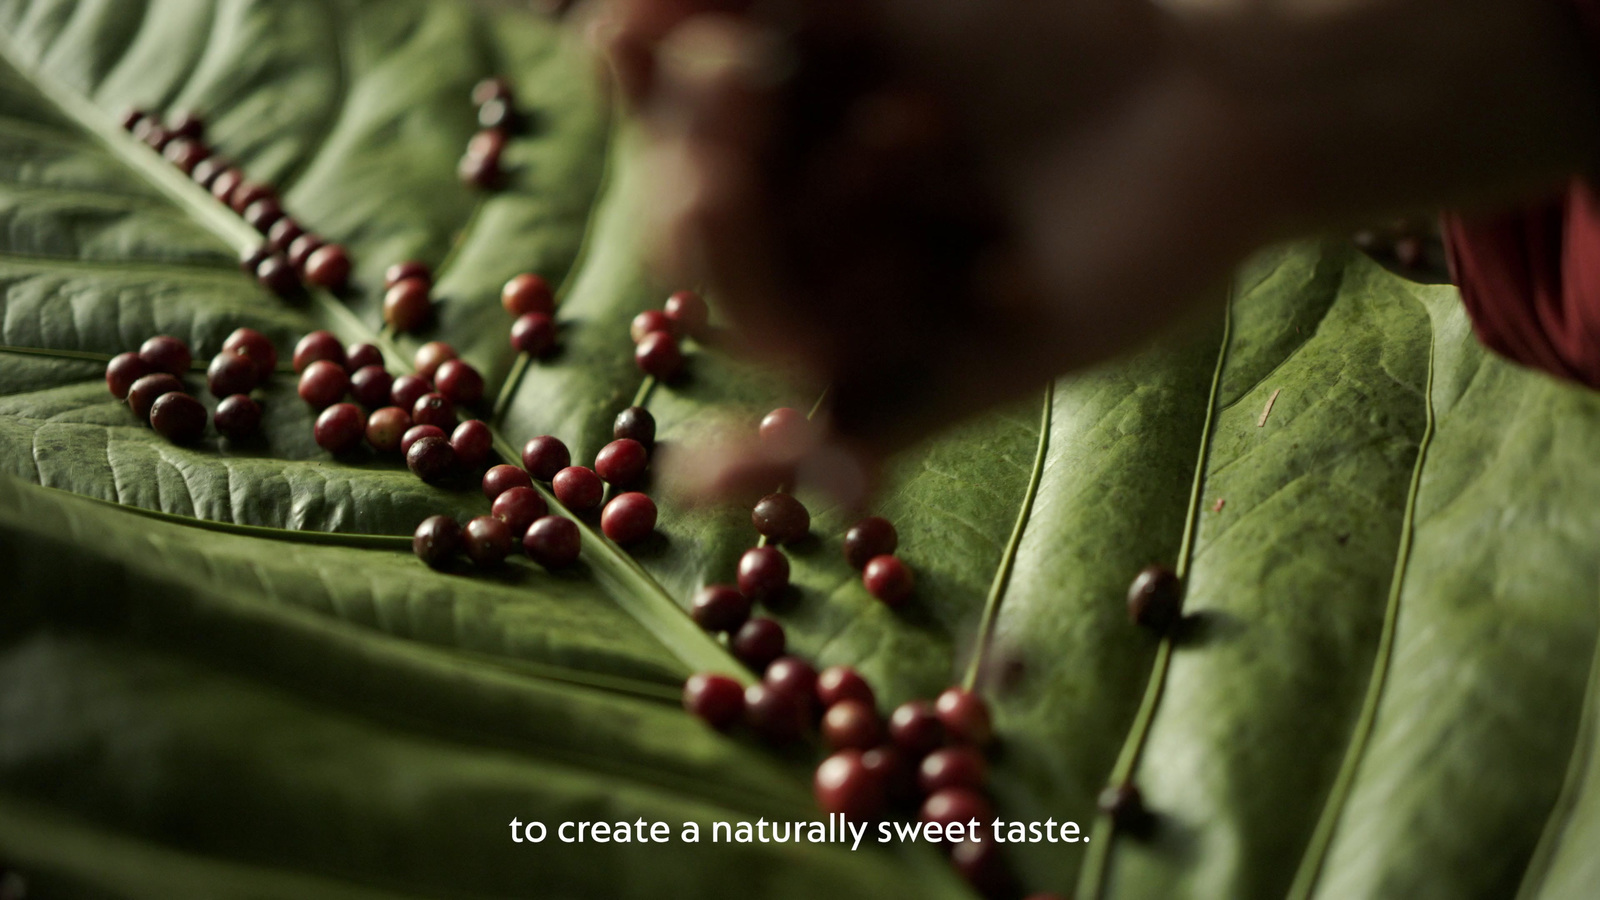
<point x="223" y="674"/>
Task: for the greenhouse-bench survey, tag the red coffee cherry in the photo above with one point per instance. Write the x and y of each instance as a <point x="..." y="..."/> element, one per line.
<point x="647" y="323"/>
<point x="263" y="214"/>
<point x="436" y="541"/>
<point x="888" y="579"/>
<point x="836" y="684"/>
<point x="329" y="267"/>
<point x="283" y="234"/>
<point x="153" y="134"/>
<point x="497" y="114"/>
<point x="164" y="353"/>
<point x="844" y="784"/>
<point x="720" y="607"/>
<point x="238" y="417"/>
<point x="473" y="443"/>
<point x="481" y="172"/>
<point x="340" y="428"/>
<point x="407" y="390"/>
<point x="495" y="88"/>
<point x="781" y="518"/>
<point x="527" y="293"/>
<point x="1124" y="805"/>
<point x="430" y="458"/>
<point x="952" y="767"/>
<point x="251" y="260"/>
<point x="869" y="538"/>
<point x="965" y="716"/>
<point x="487" y="541"/>
<point x="459" y="381"/>
<point x="688" y="313"/>
<point x="249" y="193"/>
<point x="230" y="373"/>
<point x="984" y="868"/>
<point x="763" y="573"/>
<point x="185" y="153"/>
<point x="418" y="432"/>
<point x="552" y="542"/>
<point x="122" y="371"/>
<point x="323" y="383"/>
<point x="278" y="276"/>
<point x="519" y="508"/>
<point x="144" y="392"/>
<point x="544" y="456"/>
<point x="786" y="431"/>
<point x="432" y="355"/>
<point x="484" y="149"/>
<point x="716" y="699"/>
<point x="178" y="417"/>
<point x="318" y="345"/>
<point x="658" y="355"/>
<point x="434" y="409"/>
<point x="1155" y="599"/>
<point x="578" y="488"/>
<point x="635" y="423"/>
<point x="359" y="356"/>
<point x="411" y="268"/>
<point x="621" y="463"/>
<point x="533" y="334"/>
<point x="256" y="347"/>
<point x="131" y="117"/>
<point x="956" y="805"/>
<point x="500" y="479"/>
<point x="852" y="724"/>
<point x="371" y="386"/>
<point x="228" y="180"/>
<point x="915" y="728"/>
<point x="188" y="124"/>
<point x="758" y="642"/>
<point x="628" y="518"/>
<point x="386" y="427"/>
<point x="301" y="248"/>
<point x="408" y="305"/>
<point x="890" y="764"/>
<point x="777" y="716"/>
<point x="793" y="674"/>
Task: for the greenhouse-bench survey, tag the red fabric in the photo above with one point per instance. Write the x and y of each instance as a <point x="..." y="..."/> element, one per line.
<point x="1530" y="279"/>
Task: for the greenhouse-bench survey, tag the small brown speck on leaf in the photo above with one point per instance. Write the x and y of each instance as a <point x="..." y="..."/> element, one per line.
<point x="1217" y="507"/>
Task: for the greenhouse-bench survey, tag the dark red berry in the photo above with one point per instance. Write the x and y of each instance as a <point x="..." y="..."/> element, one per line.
<point x="490" y="89"/>
<point x="188" y="125"/>
<point x="953" y="805"/>
<point x="621" y="463"/>
<point x="323" y="383"/>
<point x="251" y="260"/>
<point x="436" y="541"/>
<point x="716" y="699"/>
<point x="300" y="250"/>
<point x="411" y="268"/>
<point x="318" y="345"/>
<point x="482" y="172"/>
<point x="206" y="171"/>
<point x="434" y="409"/>
<point x="263" y="214"/>
<point x="156" y="136"/>
<point x="123" y="370"/>
<point x="890" y="764"/>
<point x="430" y="458"/>
<point x="982" y="866"/>
<point x="500" y="479"/>
<point x="527" y="293"/>
<point x="359" y="356"/>
<point x="852" y="724"/>
<point x="781" y="518"/>
<point x="386" y="427"/>
<point x="497" y="113"/>
<point x="459" y="381"/>
<point x="552" y="542"/>
<point x="283" y="233"/>
<point x="688" y="313"/>
<point x="407" y="390"/>
<point x="952" y="767"/>
<point x="763" y="573"/>
<point x="185" y="153"/>
<point x="418" y="432"/>
<point x="888" y="579"/>
<point x="1155" y="599"/>
<point x="647" y="323"/>
<point x="371" y="386"/>
<point x="238" y="417"/>
<point x="178" y="417"/>
<point x="131" y="117"/>
<point x="144" y="391"/>
<point x="431" y="356"/>
<point x="628" y="518"/>
<point x="786" y="432"/>
<point x="844" y="784"/>
<point x="487" y="541"/>
<point x="249" y="193"/>
<point x="658" y="355"/>
<point x="720" y="607"/>
<point x="776" y="715"/>
<point x="486" y="146"/>
<point x="837" y="684"/>
<point x="636" y="424"/>
<point x="915" y="727"/>
<point x="965" y="716"/>
<point x="519" y="507"/>
<point x="256" y="347"/>
<point x="578" y="488"/>
<point x="328" y="267"/>
<point x="226" y="182"/>
<point x="758" y="642"/>
<point x="791" y="673"/>
<point x="473" y="443"/>
<point x="408" y="305"/>
<point x="230" y="373"/>
<point x="544" y="456"/>
<point x="164" y="353"/>
<point x="869" y="538"/>
<point x="533" y="334"/>
<point x="340" y="428"/>
<point x="1124" y="805"/>
<point x="277" y="275"/>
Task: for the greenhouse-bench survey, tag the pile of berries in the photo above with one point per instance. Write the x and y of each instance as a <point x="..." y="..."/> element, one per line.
<point x="151" y="381"/>
<point x="497" y="119"/>
<point x="290" y="254"/>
